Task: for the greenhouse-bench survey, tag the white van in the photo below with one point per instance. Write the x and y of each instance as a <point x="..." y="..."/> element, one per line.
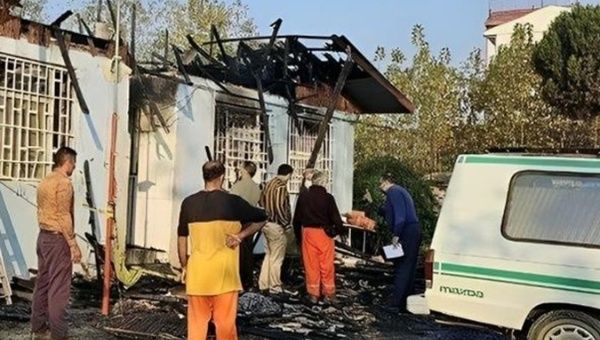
<point x="517" y="246"/>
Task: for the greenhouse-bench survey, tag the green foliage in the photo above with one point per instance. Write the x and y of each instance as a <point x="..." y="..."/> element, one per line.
<point x="366" y="176"/>
<point x="180" y="17"/>
<point x="567" y="58"/>
<point x="33" y="9"/>
<point x="421" y="139"/>
<point x="468" y="109"/>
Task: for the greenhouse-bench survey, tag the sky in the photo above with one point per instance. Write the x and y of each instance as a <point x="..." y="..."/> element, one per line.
<point x="456" y="24"/>
<point x="387" y="23"/>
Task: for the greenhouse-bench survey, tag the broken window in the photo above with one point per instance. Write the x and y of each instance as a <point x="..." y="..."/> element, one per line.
<point x="302" y="140"/>
<point x="35" y="116"/>
<point x="239" y="137"/>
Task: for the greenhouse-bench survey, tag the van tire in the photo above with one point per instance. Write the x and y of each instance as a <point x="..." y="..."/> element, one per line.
<point x="552" y="322"/>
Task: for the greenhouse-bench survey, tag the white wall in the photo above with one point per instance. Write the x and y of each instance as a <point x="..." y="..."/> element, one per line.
<point x="539" y="19"/>
<point x="170" y="166"/>
<point x="17" y="199"/>
<point x="343" y="161"/>
<point x="170" y="163"/>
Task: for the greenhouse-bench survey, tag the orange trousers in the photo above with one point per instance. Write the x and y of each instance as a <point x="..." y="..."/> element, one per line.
<point x="222" y="309"/>
<point x="318" y="253"/>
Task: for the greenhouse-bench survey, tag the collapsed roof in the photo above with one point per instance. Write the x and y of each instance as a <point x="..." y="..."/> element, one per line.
<point x="302" y="69"/>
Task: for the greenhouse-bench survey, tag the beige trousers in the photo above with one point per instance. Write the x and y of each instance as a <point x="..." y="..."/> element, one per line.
<point x="270" y="273"/>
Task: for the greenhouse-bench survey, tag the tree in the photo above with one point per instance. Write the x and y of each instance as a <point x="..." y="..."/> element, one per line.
<point x="567" y="58"/>
<point x="180" y="17"/>
<point x="426" y="137"/>
<point x="509" y="95"/>
<point x="33" y="9"/>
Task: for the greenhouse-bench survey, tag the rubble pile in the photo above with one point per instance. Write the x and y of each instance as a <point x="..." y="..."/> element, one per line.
<point x="258" y="305"/>
<point x="362" y="285"/>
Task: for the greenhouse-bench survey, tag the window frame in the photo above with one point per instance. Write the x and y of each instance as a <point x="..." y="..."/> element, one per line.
<point x="326" y="153"/>
<point x="224" y="114"/>
<point x="56" y="96"/>
<point x="541" y="241"/>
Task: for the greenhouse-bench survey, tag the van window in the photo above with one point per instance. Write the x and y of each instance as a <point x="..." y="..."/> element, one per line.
<point x="553" y="207"/>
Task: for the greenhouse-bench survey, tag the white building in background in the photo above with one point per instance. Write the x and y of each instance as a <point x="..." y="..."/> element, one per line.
<point x="500" y="25"/>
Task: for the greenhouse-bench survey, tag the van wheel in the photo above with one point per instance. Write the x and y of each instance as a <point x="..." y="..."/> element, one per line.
<point x="565" y="325"/>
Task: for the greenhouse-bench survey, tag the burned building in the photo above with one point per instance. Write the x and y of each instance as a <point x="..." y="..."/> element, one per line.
<point x="143" y="129"/>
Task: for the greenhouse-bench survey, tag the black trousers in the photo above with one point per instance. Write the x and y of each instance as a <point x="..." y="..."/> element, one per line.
<point x="405" y="267"/>
<point x="247" y="263"/>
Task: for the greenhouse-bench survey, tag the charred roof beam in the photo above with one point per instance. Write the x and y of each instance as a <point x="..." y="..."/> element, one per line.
<point x="324" y="125"/>
<point x="201" y="51"/>
<point x="90" y="34"/>
<point x="181" y="66"/>
<point x="61" y="18"/>
<point x="67" y="59"/>
<point x="64" y="51"/>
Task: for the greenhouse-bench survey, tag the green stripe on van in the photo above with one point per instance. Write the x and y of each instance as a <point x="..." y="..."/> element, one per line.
<point x="555" y="162"/>
<point x="520" y="283"/>
<point x="521" y="276"/>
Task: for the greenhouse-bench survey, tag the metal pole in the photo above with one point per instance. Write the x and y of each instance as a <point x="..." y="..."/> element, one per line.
<point x="110" y="221"/>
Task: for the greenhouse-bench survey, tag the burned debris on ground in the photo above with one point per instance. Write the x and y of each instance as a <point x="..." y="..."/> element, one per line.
<point x="155" y="308"/>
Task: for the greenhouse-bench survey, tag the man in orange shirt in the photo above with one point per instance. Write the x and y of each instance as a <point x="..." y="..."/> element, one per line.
<point x="56" y="249"/>
<point x="213" y="219"/>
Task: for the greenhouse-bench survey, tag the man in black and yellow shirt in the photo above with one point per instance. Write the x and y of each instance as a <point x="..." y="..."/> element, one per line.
<point x="213" y="220"/>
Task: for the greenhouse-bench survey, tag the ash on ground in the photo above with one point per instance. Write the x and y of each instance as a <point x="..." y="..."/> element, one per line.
<point x="155" y="309"/>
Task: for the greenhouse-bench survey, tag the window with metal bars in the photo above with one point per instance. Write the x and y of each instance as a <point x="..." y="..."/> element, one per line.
<point x="302" y="140"/>
<point x="35" y="116"/>
<point x="239" y="137"/>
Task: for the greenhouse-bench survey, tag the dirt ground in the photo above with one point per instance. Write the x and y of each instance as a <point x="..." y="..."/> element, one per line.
<point x="88" y="325"/>
<point x="152" y="309"/>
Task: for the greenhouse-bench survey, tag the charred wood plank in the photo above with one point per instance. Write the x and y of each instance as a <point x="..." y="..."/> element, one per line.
<point x="89" y="38"/>
<point x="276" y="26"/>
<point x="208" y="153"/>
<point x="324" y="126"/>
<point x="216" y="36"/>
<point x="61" y="18"/>
<point x="264" y="117"/>
<point x="200" y="50"/>
<point x="113" y="17"/>
<point x="67" y="60"/>
<point x="181" y="66"/>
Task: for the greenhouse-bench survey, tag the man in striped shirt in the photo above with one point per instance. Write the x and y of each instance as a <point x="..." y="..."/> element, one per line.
<point x="275" y="199"/>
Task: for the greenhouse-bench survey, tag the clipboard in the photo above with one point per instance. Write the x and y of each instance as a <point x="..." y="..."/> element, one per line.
<point x="393" y="251"/>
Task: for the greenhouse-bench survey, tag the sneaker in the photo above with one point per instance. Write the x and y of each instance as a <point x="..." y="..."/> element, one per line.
<point x="291" y="292"/>
<point x="276" y="290"/>
<point x="313" y="299"/>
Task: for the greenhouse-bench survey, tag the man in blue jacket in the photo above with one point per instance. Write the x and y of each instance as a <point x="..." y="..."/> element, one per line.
<point x="400" y="213"/>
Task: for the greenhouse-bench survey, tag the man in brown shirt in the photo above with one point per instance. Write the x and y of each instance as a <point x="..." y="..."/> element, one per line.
<point x="247" y="189"/>
<point x="56" y="249"/>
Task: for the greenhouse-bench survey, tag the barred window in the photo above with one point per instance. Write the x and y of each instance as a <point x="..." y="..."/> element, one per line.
<point x="239" y="137"/>
<point x="35" y="116"/>
<point x="554" y="207"/>
<point x="302" y="140"/>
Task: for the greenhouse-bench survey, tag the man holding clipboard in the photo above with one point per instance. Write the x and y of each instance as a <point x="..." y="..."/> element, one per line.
<point x="400" y="213"/>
